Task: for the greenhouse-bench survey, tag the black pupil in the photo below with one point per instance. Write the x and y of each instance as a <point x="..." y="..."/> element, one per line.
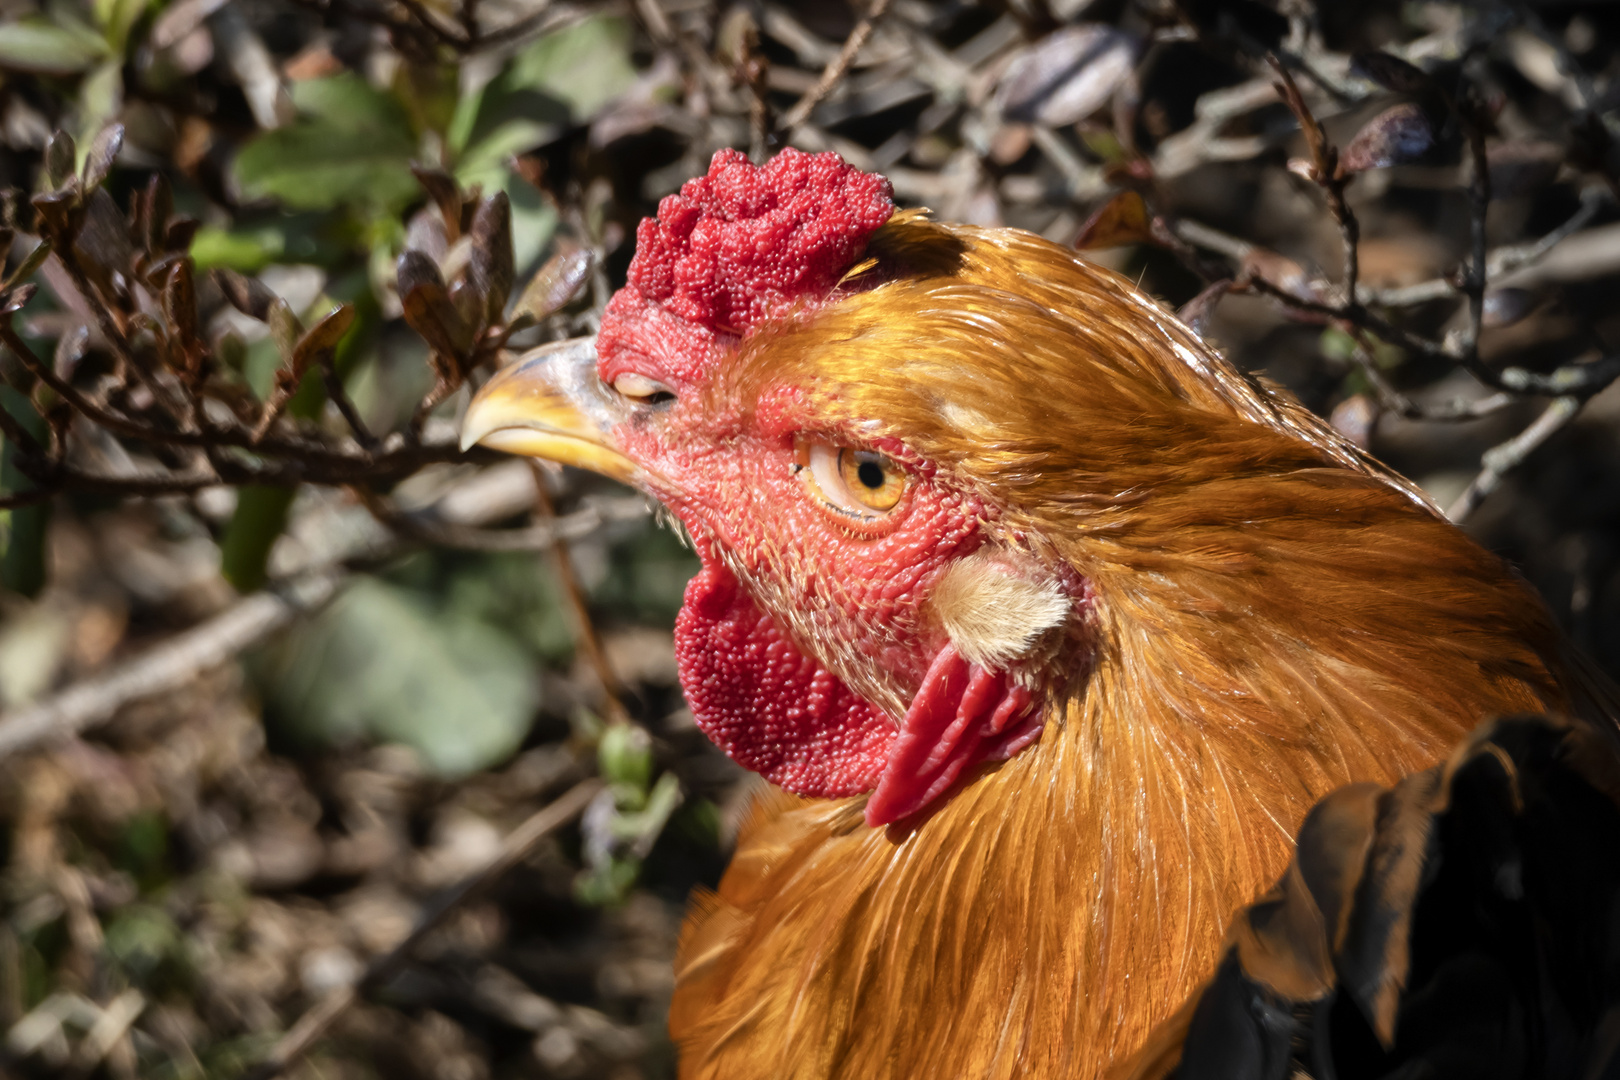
<point x="870" y="473"/>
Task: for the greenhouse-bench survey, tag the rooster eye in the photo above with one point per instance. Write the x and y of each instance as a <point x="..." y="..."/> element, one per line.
<point x="860" y="483"/>
<point x="642" y="390"/>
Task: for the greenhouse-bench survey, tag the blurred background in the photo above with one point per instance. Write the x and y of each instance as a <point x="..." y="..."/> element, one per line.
<point x="300" y="706"/>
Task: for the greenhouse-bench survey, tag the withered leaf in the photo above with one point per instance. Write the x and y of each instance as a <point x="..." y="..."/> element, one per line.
<point x="54" y="211"/>
<point x="1394" y="136"/>
<point x="464" y="297"/>
<point x="555" y="284"/>
<point x="180" y="311"/>
<point x="31" y="262"/>
<point x="1121" y="220"/>
<point x="442" y="189"/>
<point x="1196" y="312"/>
<point x="414" y="270"/>
<point x="427" y="305"/>
<point x="180" y="233"/>
<point x="285" y="329"/>
<point x="59" y="158"/>
<point x="98" y="161"/>
<point x="248" y="295"/>
<point x="102" y="241"/>
<point x="180" y="302"/>
<point x="1068" y="75"/>
<point x="14" y="300"/>
<point x="1504" y="307"/>
<point x="1390" y="72"/>
<point x="157" y="204"/>
<point x="324" y="335"/>
<point x="490" y="268"/>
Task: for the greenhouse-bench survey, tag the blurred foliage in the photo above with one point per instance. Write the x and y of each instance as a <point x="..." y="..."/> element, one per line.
<point x="362" y="208"/>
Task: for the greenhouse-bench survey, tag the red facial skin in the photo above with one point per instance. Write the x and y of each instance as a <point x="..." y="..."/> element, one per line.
<point x="805" y="646"/>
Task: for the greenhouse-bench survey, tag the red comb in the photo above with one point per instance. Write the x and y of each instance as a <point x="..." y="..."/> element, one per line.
<point x="737" y="246"/>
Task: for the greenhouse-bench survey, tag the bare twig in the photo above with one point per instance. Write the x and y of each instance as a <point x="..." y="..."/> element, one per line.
<point x="1502" y="261"/>
<point x="1499" y="460"/>
<point x="585" y="627"/>
<point x="181" y="658"/>
<point x="834" y="71"/>
<point x="170" y="665"/>
<point x="517" y="845"/>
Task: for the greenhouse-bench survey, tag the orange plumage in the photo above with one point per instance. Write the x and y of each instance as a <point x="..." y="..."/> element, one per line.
<point x="1266" y="614"/>
<point x="1276" y="615"/>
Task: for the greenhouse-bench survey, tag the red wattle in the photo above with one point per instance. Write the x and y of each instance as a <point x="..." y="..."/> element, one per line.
<point x="779" y="712"/>
<point x="766" y="704"/>
<point x="962" y="715"/>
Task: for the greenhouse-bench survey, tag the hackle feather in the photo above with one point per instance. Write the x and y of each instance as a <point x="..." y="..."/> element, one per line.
<point x="1271" y="614"/>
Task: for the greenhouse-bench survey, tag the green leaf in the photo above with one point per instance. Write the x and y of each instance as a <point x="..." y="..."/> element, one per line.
<point x="563" y="78"/>
<point x="244" y="250"/>
<point x="261" y="515"/>
<point x="585" y="66"/>
<point x="350" y="144"/>
<point x="49" y="48"/>
<point x="116" y="17"/>
<point x="380" y="663"/>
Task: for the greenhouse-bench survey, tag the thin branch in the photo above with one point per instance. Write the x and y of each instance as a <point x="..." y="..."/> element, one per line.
<point x="514" y="849"/>
<point x="338" y="394"/>
<point x="837" y="68"/>
<point x="1499" y="460"/>
<point x="177" y="660"/>
<point x="547" y="534"/>
<point x="1502" y="261"/>
<point x="170" y="665"/>
<point x="589" y="640"/>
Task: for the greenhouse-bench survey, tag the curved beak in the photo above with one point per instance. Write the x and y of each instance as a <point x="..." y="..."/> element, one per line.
<point x="550" y="404"/>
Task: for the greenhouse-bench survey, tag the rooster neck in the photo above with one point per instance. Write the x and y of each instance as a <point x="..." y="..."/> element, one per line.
<point x="1060" y="904"/>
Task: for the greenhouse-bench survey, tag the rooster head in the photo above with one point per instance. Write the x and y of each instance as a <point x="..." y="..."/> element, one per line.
<point x="884" y="437"/>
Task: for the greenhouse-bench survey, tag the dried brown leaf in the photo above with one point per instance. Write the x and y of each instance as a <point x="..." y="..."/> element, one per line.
<point x="14" y="300"/>
<point x="1504" y="307"/>
<point x="59" y="159"/>
<point x="1068" y="75"/>
<point x="443" y="190"/>
<point x="555" y="284"/>
<point x="490" y="269"/>
<point x="324" y="335"/>
<point x="1121" y="220"/>
<point x="98" y="161"/>
<point x="1393" y="137"/>
<point x="180" y="302"/>
<point x="427" y="305"/>
<point x="157" y="204"/>
<point x="54" y="213"/>
<point x="248" y="295"/>
<point x="285" y="330"/>
<point x="180" y="233"/>
<point x="31" y="262"/>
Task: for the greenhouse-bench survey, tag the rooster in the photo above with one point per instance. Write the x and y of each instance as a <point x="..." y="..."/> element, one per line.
<point x="1048" y="625"/>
